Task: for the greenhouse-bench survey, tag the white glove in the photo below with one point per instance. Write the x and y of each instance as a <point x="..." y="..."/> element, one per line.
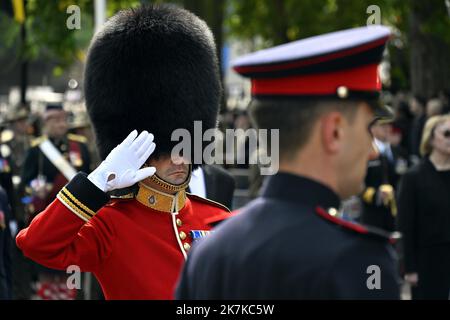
<point x="122" y="166"/>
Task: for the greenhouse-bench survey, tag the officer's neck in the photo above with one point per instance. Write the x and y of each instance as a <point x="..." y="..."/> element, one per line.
<point x="312" y="166"/>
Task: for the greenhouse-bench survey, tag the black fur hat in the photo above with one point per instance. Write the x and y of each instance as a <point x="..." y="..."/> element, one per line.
<point x="151" y="68"/>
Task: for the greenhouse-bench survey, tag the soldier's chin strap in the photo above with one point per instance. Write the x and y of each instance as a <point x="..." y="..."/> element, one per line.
<point x="169" y="186"/>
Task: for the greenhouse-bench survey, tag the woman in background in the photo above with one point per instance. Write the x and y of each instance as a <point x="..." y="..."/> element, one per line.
<point x="424" y="214"/>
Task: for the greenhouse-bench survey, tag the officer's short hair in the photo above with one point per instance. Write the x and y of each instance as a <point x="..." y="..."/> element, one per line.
<point x="295" y="118"/>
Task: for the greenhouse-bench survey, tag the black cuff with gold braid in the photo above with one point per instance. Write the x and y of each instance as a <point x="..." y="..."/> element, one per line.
<point x="82" y="197"/>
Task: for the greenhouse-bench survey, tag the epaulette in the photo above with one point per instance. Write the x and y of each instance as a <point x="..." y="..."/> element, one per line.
<point x="392" y="237"/>
<point x="116" y="200"/>
<point x="215" y="219"/>
<point x="120" y="197"/>
<point x="76" y="137"/>
<point x="207" y="201"/>
<point x="37" y="141"/>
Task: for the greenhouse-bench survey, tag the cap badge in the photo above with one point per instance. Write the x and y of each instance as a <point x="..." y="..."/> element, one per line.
<point x="342" y="92"/>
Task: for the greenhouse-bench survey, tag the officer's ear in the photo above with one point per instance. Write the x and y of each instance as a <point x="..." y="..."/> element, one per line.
<point x="332" y="124"/>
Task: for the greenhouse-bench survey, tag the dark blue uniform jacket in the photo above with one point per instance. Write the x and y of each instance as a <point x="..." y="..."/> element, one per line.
<point x="284" y="245"/>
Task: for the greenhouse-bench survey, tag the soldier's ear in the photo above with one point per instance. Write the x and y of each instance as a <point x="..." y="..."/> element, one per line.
<point x="331" y="125"/>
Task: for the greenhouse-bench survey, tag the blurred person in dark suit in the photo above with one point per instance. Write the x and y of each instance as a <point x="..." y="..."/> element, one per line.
<point x="18" y="120"/>
<point x="383" y="172"/>
<point x="403" y="122"/>
<point x="424" y="214"/>
<point x="213" y="183"/>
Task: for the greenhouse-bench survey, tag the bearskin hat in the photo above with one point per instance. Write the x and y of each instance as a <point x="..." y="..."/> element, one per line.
<point x="151" y="68"/>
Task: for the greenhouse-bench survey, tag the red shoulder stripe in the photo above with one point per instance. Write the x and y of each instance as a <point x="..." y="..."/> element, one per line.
<point x="346" y="224"/>
<point x="391" y="237"/>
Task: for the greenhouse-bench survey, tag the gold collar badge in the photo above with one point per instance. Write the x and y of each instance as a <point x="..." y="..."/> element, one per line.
<point x="161" y="201"/>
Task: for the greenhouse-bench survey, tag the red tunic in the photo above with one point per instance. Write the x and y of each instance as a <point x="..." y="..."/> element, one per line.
<point x="135" y="252"/>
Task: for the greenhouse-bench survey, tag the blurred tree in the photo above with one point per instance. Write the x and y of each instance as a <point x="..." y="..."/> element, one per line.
<point x="421" y="38"/>
<point x="429" y="38"/>
<point x="47" y="33"/>
<point x="49" y="38"/>
<point x="420" y="48"/>
<point x="212" y="12"/>
<point x="44" y="35"/>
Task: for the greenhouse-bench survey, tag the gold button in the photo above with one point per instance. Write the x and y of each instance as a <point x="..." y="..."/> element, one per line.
<point x="182" y="235"/>
<point x="186" y="246"/>
<point x="179" y="222"/>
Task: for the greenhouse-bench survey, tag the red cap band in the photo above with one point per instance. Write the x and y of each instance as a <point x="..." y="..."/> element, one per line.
<point x="364" y="78"/>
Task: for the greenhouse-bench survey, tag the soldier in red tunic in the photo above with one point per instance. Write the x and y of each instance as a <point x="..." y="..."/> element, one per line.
<point x="150" y="69"/>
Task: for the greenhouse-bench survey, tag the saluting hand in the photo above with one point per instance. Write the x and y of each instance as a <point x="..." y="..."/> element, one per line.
<point x="122" y="166"/>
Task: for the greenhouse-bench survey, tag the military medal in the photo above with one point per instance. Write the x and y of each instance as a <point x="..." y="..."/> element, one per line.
<point x="199" y="234"/>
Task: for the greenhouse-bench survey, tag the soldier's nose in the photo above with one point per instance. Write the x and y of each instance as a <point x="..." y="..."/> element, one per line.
<point x="178" y="160"/>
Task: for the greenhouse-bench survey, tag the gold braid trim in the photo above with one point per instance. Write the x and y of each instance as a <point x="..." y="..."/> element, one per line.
<point x="77" y="202"/>
<point x="72" y="207"/>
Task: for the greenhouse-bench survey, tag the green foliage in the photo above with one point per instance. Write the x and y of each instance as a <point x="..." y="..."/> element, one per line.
<point x="277" y="22"/>
<point x="8" y="32"/>
<point x="274" y="21"/>
<point x="47" y="36"/>
<point x="435" y="18"/>
<point x="115" y="6"/>
<point x="282" y="21"/>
